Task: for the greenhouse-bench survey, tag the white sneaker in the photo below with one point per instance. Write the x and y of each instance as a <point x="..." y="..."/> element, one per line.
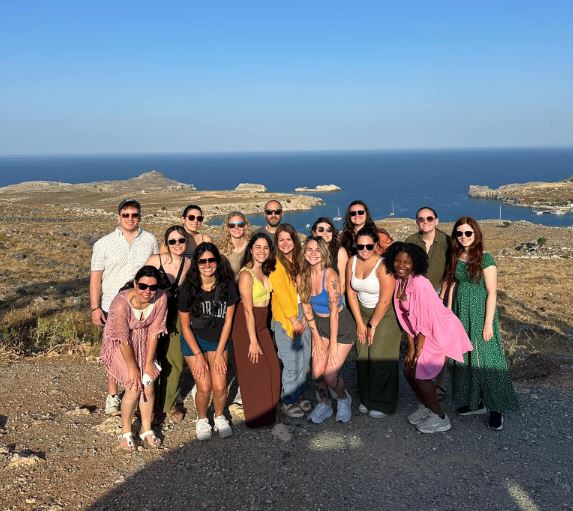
<point x="434" y="424"/>
<point x="222" y="426"/>
<point x="419" y="416"/>
<point x="113" y="405"/>
<point x="362" y="408"/>
<point x="344" y="409"/>
<point x="321" y="412"/>
<point x="375" y="414"/>
<point x="203" y="429"/>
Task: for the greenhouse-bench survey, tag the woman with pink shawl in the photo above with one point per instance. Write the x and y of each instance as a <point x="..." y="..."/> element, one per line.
<point x="136" y="319"/>
<point x="434" y="332"/>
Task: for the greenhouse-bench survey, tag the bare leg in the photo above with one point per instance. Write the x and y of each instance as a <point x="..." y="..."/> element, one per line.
<point x="112" y="389"/>
<point x="146" y="400"/>
<point x="332" y="376"/>
<point x="427" y="390"/>
<point x="319" y="361"/>
<point x="218" y="384"/>
<point x="128" y="404"/>
<point x="203" y="389"/>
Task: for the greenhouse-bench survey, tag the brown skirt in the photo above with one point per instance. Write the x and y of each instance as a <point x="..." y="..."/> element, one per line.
<point x="260" y="383"/>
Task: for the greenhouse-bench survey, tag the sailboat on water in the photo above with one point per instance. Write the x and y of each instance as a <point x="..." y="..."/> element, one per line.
<point x="337" y="218"/>
<point x="392" y="212"/>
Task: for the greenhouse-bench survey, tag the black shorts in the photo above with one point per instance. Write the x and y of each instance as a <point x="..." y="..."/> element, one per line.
<point x="346" y="327"/>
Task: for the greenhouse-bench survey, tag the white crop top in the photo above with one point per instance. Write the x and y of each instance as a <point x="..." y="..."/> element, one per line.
<point x="368" y="289"/>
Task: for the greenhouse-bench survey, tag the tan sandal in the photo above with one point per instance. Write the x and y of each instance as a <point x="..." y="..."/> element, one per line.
<point x="154" y="442"/>
<point x="126" y="442"/>
<point x="176" y="414"/>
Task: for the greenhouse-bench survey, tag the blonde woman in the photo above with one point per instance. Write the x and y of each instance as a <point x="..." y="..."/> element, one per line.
<point x="235" y="237"/>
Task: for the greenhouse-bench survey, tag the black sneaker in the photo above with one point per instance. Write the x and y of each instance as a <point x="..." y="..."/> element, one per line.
<point x="466" y="410"/>
<point x="495" y="421"/>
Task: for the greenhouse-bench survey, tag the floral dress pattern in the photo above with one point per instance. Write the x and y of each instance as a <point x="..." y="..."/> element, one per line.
<point x="484" y="373"/>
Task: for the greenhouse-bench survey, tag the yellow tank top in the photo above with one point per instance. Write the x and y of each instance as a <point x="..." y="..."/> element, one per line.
<point x="260" y="292"/>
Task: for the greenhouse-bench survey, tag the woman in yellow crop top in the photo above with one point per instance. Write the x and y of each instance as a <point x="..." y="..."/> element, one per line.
<point x="256" y="360"/>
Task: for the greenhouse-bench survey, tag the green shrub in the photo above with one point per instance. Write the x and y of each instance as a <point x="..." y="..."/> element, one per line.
<point x="541" y="241"/>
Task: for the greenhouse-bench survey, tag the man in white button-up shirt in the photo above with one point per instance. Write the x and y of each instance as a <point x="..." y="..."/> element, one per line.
<point x="116" y="259"/>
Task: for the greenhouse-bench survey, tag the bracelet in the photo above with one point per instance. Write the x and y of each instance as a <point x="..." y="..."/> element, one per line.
<point x="98" y="307"/>
<point x="369" y="325"/>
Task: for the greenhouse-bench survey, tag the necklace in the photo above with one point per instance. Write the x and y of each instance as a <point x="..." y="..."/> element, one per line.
<point x="402" y="287"/>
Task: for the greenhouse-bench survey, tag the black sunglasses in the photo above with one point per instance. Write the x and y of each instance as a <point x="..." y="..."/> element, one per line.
<point x="179" y="241"/>
<point x="199" y="218"/>
<point x="426" y="218"/>
<point x="130" y="215"/>
<point x="143" y="287"/>
<point x="324" y="229"/>
<point x="467" y="234"/>
<point x="206" y="260"/>
<point x="368" y="247"/>
<point x="270" y="212"/>
<point x="232" y="225"/>
<point x="358" y="212"/>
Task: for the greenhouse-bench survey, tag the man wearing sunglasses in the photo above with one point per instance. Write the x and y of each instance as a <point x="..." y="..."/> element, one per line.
<point x="273" y="215"/>
<point x="116" y="258"/>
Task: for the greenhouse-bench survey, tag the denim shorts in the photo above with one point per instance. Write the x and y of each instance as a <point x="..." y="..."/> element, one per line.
<point x="204" y="346"/>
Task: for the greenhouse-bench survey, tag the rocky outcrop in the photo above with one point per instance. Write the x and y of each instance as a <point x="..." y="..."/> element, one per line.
<point x="250" y="188"/>
<point x="319" y="188"/>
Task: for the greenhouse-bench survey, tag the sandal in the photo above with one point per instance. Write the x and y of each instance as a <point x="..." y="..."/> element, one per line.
<point x="440" y="392"/>
<point x="305" y="405"/>
<point x="293" y="410"/>
<point x="126" y="442"/>
<point x="154" y="443"/>
<point x="176" y="414"/>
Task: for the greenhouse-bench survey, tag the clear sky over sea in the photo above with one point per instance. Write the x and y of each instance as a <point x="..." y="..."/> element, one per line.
<point x="136" y="76"/>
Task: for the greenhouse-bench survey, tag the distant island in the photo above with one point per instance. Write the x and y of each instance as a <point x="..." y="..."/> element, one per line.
<point x="319" y="188"/>
<point x="543" y="197"/>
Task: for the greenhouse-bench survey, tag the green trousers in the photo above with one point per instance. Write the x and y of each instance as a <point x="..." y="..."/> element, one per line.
<point x="378" y="371"/>
<point x="171" y="360"/>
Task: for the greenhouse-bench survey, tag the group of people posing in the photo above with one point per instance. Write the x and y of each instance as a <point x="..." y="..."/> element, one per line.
<point x="274" y="300"/>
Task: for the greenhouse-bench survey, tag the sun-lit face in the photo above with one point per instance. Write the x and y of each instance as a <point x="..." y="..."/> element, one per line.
<point x="273" y="213"/>
<point x="365" y="246"/>
<point x="207" y="264"/>
<point x="403" y="265"/>
<point x="357" y="216"/>
<point x="461" y="235"/>
<point x="129" y="218"/>
<point x="192" y="220"/>
<point x="323" y="230"/>
<point x="285" y="243"/>
<point x="236" y="226"/>
<point x="145" y="295"/>
<point x="426" y="221"/>
<point x="312" y="253"/>
<point x="176" y="243"/>
<point x="261" y="251"/>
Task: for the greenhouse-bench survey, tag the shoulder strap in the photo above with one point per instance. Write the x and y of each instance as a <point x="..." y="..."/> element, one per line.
<point x="175" y="283"/>
<point x="377" y="264"/>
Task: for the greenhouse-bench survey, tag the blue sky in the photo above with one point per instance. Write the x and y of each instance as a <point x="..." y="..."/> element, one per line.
<point x="124" y="77"/>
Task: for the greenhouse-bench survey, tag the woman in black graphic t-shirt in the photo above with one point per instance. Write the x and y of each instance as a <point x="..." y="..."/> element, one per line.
<point x="206" y="306"/>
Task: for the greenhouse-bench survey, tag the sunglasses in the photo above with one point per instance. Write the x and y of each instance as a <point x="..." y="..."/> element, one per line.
<point x="324" y="229"/>
<point x="180" y="241"/>
<point x="270" y="212"/>
<point x="130" y="215"/>
<point x="143" y="287"/>
<point x="206" y="260"/>
<point x="232" y="225"/>
<point x="467" y="234"/>
<point x="199" y="218"/>
<point x="358" y="212"/>
<point x="368" y="247"/>
<point x="425" y="218"/>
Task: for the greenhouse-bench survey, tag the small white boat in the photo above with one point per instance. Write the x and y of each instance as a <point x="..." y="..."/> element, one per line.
<point x="392" y="213"/>
<point x="337" y="218"/>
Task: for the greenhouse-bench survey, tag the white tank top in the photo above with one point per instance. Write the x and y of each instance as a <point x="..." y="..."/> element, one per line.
<point x="368" y="289"/>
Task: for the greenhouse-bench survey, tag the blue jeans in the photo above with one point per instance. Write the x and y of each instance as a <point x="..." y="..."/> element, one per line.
<point x="295" y="356"/>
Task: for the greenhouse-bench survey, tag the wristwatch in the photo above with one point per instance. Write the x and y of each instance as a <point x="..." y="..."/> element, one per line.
<point x="369" y="325"/>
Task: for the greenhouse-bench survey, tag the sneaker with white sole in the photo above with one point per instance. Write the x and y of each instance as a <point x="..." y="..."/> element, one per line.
<point x="376" y="414"/>
<point x="321" y="412"/>
<point x="434" y="424"/>
<point x="362" y="408"/>
<point x="203" y="429"/>
<point x="221" y="424"/>
<point x="113" y="405"/>
<point x="419" y="416"/>
<point x="344" y="409"/>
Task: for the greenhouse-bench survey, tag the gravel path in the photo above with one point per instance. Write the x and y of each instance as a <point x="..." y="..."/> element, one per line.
<point x="380" y="464"/>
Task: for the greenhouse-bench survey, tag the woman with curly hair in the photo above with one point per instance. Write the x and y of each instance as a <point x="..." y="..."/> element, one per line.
<point x="324" y="228"/>
<point x="357" y="216"/>
<point x="434" y="332"/>
<point x="291" y="336"/>
<point x="206" y="306"/>
<point x="255" y="355"/>
<point x="333" y="329"/>
<point x="236" y="234"/>
<point x="480" y="382"/>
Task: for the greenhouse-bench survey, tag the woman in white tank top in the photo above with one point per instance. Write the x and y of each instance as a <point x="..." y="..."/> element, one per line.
<point x="369" y="289"/>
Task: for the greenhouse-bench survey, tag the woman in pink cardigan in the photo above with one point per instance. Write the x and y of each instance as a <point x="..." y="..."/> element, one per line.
<point x="434" y="332"/>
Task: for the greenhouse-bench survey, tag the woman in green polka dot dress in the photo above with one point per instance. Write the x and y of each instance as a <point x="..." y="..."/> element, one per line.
<point x="482" y="382"/>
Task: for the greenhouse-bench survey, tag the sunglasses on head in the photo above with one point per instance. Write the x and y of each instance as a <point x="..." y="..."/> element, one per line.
<point x="270" y="212"/>
<point x="206" y="260"/>
<point x="143" y="287"/>
<point x="467" y="234"/>
<point x="324" y="229"/>
<point x="426" y="218"/>
<point x="232" y="225"/>
<point x="179" y="241"/>
<point x="358" y="212"/>
<point x="199" y="218"/>
<point x="130" y="215"/>
<point x="369" y="246"/>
